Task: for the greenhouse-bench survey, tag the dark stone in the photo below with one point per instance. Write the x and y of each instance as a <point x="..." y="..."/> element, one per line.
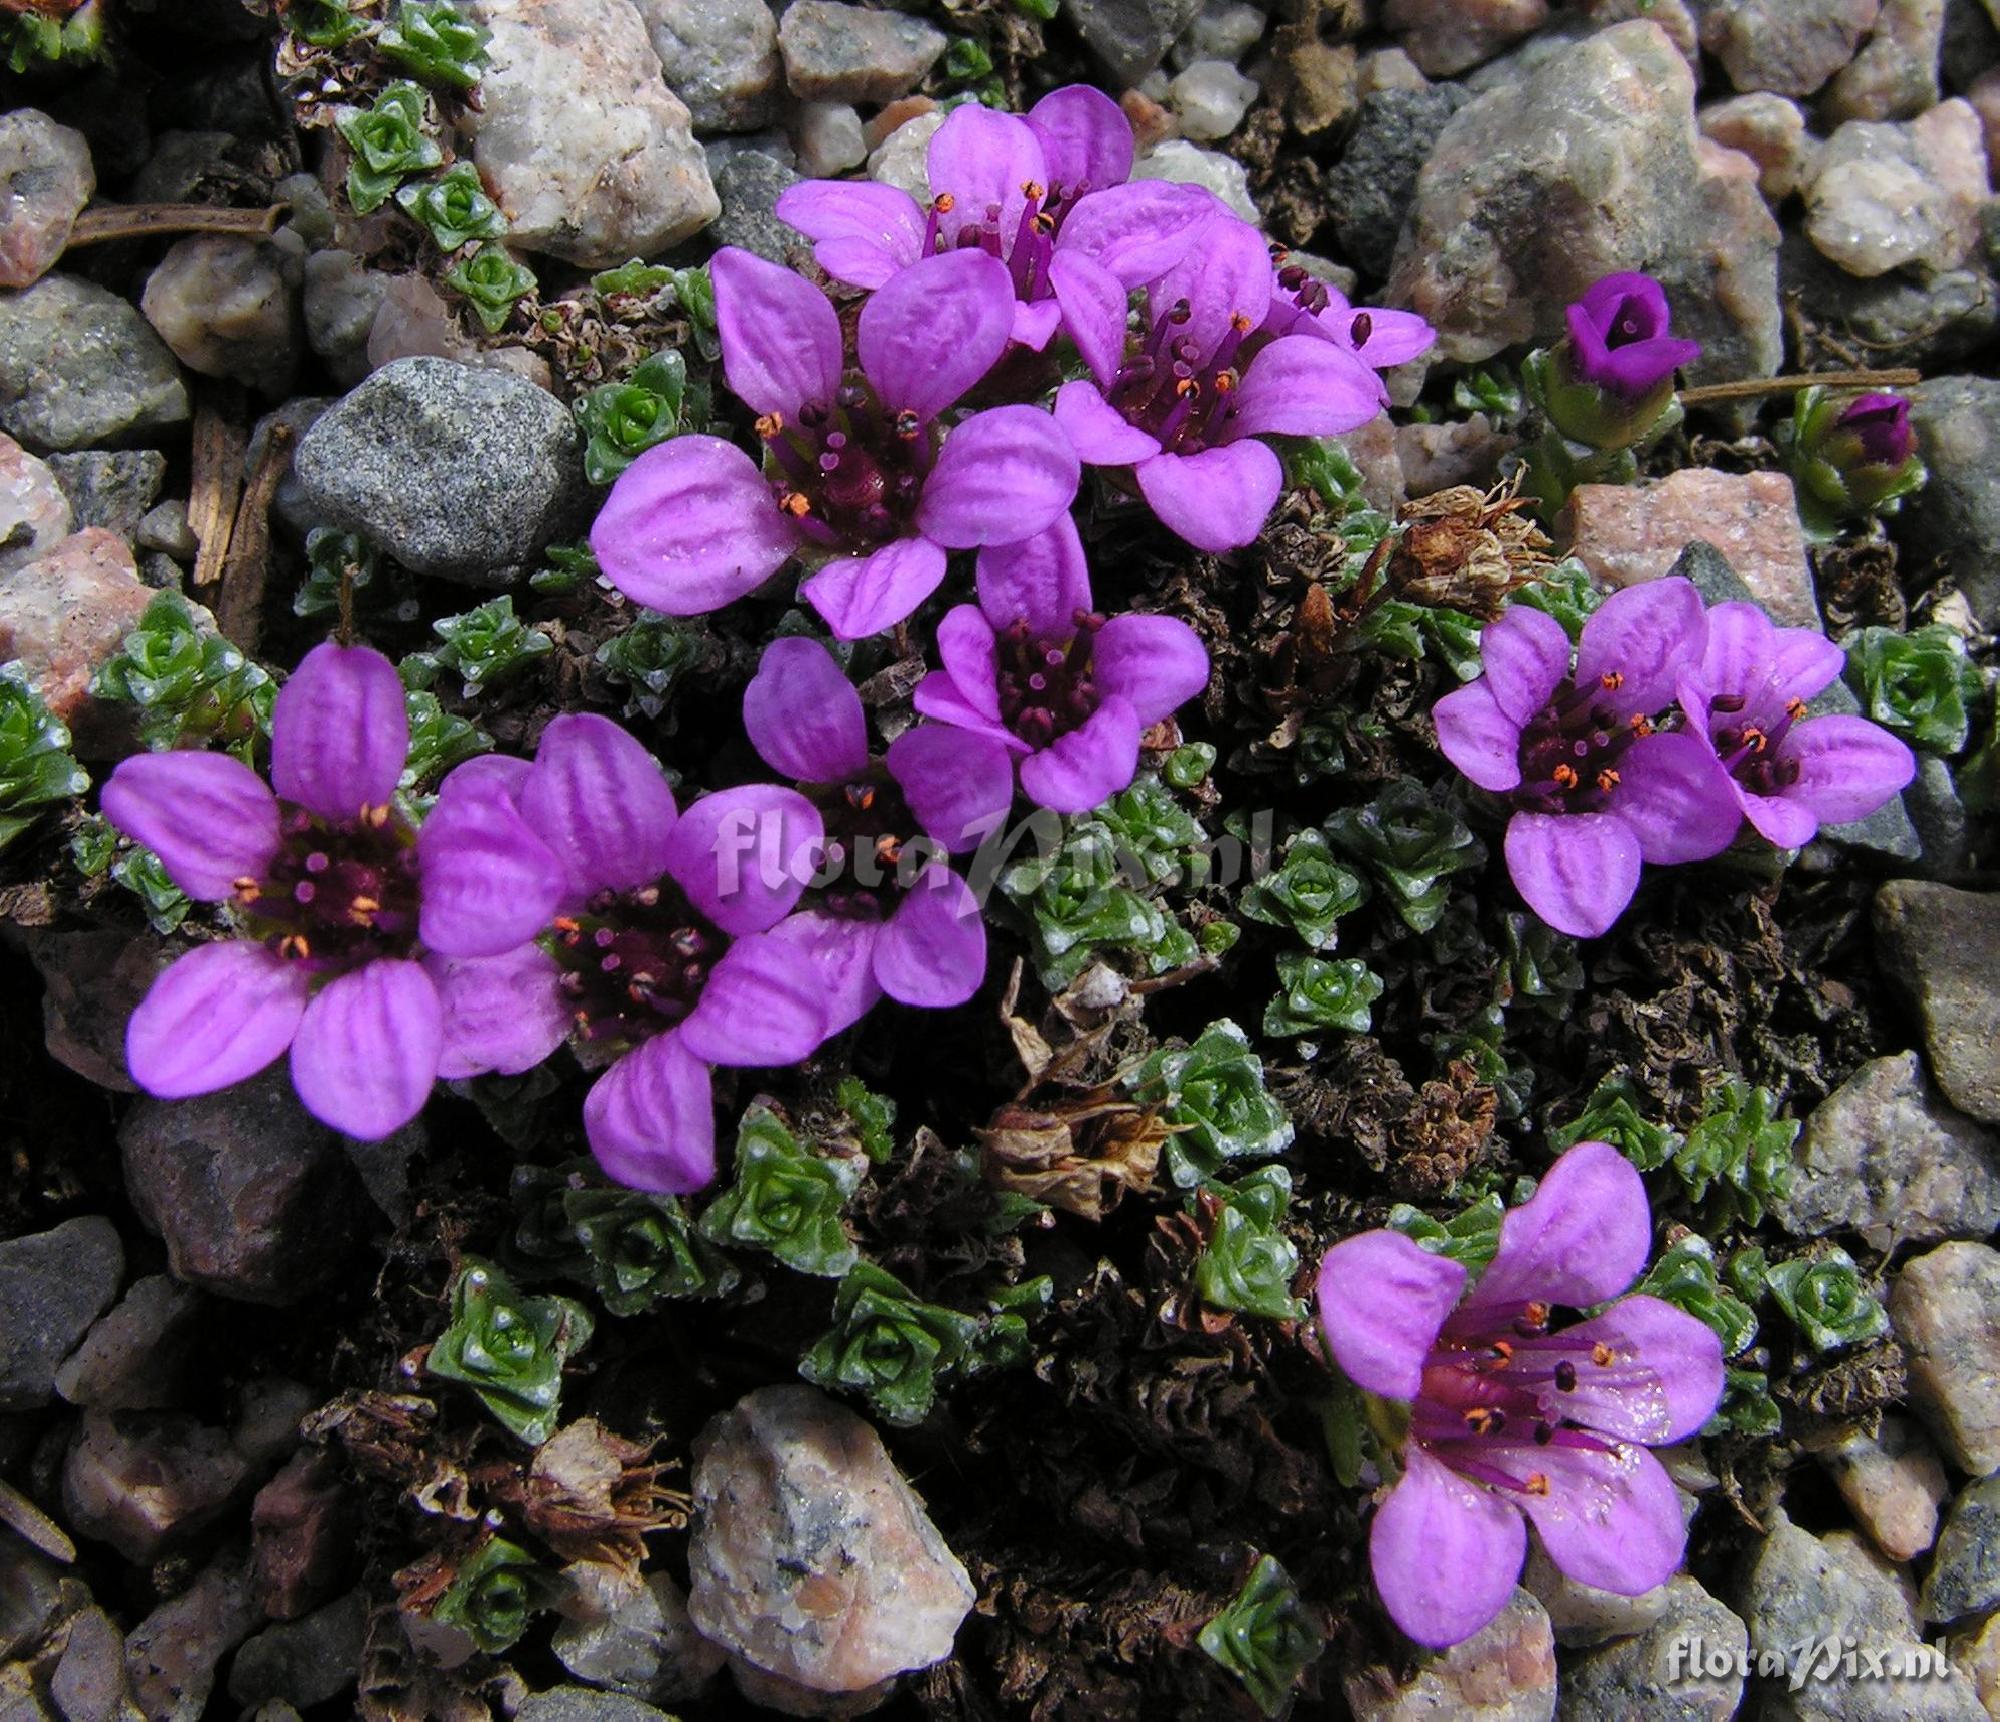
<point x="1956" y="516"/>
<point x="131" y="1360"/>
<point x="1965" y="1572"/>
<point x="1131" y="37"/>
<point x="304" y="1662"/>
<point x="1923" y="318"/>
<point x="750" y="184"/>
<point x="111" y="488"/>
<point x="301" y="1537"/>
<point x="1935" y="946"/>
<point x="1374" y="184"/>
<point x="172" y="1654"/>
<point x="53" y="1285"/>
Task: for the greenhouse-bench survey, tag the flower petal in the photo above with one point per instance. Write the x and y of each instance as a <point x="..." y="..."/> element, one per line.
<point x="339" y="732"/>
<point x="780" y="334"/>
<point x="1611" y="1520"/>
<point x="1478" y="737"/>
<point x="651" y="1119"/>
<point x="1848" y="767"/>
<point x="689" y="527"/>
<point x="1140" y="231"/>
<point x="934" y="329"/>
<point x="803" y="715"/>
<point x="1086" y="139"/>
<point x="1094" y="305"/>
<point x="1226" y="277"/>
<point x="503" y="1013"/>
<point x="841" y="952"/>
<point x="1804" y="662"/>
<point x="1217" y="500"/>
<point x="1677" y="798"/>
<point x="1445" y="1553"/>
<point x="1393" y="337"/>
<point x="981" y="159"/>
<point x="1781" y="822"/>
<point x="1035" y="325"/>
<point x="1043" y="581"/>
<point x="864" y="232"/>
<point x="1664" y="1383"/>
<point x="1577" y="870"/>
<point x="218" y="1016"/>
<point x="1085" y="768"/>
<point x="932" y="951"/>
<point x="764" y="1004"/>
<point x="1526" y="655"/>
<point x="1097" y="430"/>
<point x="744" y="855"/>
<point x="1002" y="475"/>
<point x="488" y="880"/>
<point x="1581" y="1238"/>
<point x="938" y="696"/>
<point x="209" y="818"/>
<point x="1156" y="664"/>
<point x="1647" y="635"/>
<point x="959" y="784"/>
<point x="969" y="652"/>
<point x="366" y="1053"/>
<point x="861" y="595"/>
<point x="600" y="801"/>
<point x="1298" y="386"/>
<point x="1382" y="1301"/>
<point x="1741" y="644"/>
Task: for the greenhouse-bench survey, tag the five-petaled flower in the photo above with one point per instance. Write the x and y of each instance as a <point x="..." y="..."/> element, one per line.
<point x="855" y="471"/>
<point x="1065" y="690"/>
<point x="885" y="914"/>
<point x="371" y="952"/>
<point x="1514" y="1419"/>
<point x="1788" y="772"/>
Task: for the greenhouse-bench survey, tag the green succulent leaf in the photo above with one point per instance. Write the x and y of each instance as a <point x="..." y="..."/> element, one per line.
<point x="1747" y="1407"/>
<point x="1308" y="891"/>
<point x="1921" y="685"/>
<point x="496" y="1594"/>
<point x="633" y="280"/>
<point x="785" y="1199"/>
<point x="389" y="145"/>
<point x="1825" y="1297"/>
<point x="1322" y="993"/>
<point x="888" y="1345"/>
<point x="1213" y="1094"/>
<point x="1411" y="841"/>
<point x="438" y="741"/>
<point x="1616" y="1113"/>
<point x="1004" y="1337"/>
<point x="1321" y="464"/>
<point x="1470" y="1237"/>
<point x="568" y="566"/>
<point x="1544" y="968"/>
<point x="435" y="44"/>
<point x="620" y="421"/>
<point x="454" y="207"/>
<point x="1566" y="592"/>
<point x="1738" y="1150"/>
<point x="1494" y="390"/>
<point x="647" y="657"/>
<point x="323" y="23"/>
<point x="1249" y="1264"/>
<point x="141" y="872"/>
<point x="509" y="1348"/>
<point x="331" y="557"/>
<point x="493" y="281"/>
<point x="190" y="684"/>
<point x="36" y="766"/>
<point x="874" y="1116"/>
<point x="1266" y="1637"/>
<point x="694" y="293"/>
<point x="29" y="41"/>
<point x="489" y="645"/>
<point x="1685" y="1276"/>
<point x="1188" y="766"/>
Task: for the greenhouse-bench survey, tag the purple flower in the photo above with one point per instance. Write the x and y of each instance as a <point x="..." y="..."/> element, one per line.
<point x="892" y="917"/>
<point x="1045" y="193"/>
<point x="1381" y="338"/>
<point x="1789" y="774"/>
<point x="375" y="954"/>
<point x="1184" y="410"/>
<point x="859" y="472"/>
<point x="666" y="957"/>
<point x="1064" y="690"/>
<point x="1872" y="431"/>
<point x="1620" y="339"/>
<point x="1513" y="1420"/>
<point x="1595" y="789"/>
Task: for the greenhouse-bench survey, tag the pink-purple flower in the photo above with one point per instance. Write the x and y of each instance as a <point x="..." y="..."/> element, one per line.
<point x="1064" y="690"/>
<point x="1514" y="1420"/>
<point x="1621" y="337"/>
<point x="1185" y="408"/>
<point x="1045" y="193"/>
<point x="1596" y="788"/>
<point x="1789" y="773"/>
<point x="1873" y="430"/>
<point x="860" y="472"/>
<point x="371" y="952"/>
<point x="1380" y="337"/>
<point x="886" y="914"/>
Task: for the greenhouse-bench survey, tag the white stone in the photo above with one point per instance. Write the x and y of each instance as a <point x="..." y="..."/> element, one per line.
<point x="829" y="139"/>
<point x="1183" y="162"/>
<point x="1211" y="97"/>
<point x="902" y="158"/>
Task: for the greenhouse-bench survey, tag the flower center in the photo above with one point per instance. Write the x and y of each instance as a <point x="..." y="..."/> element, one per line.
<point x="1174" y="390"/>
<point x="1025" y="245"/>
<point x="634" y="962"/>
<point x="849" y="474"/>
<point x="336" y="895"/>
<point x="1753" y="753"/>
<point x="1628" y="324"/>
<point x="1570" y="752"/>
<point x="868" y="826"/>
<point x="1047" y="686"/>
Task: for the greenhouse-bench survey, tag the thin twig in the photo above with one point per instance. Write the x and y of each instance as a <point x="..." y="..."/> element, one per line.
<point x="239" y="611"/>
<point x="1751" y="387"/>
<point x="150" y="220"/>
<point x="217" y="480"/>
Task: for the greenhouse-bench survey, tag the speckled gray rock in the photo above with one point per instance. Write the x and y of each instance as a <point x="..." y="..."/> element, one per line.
<point x="720" y="57"/>
<point x="1958" y="429"/>
<point x="455" y="470"/>
<point x="1131" y="37"/>
<point x="132" y="1357"/>
<point x="1945" y="1308"/>
<point x="580" y="1704"/>
<point x="111" y="488"/>
<point x="750" y="184"/>
<point x="1937" y="945"/>
<point x="1886" y="195"/>
<point x="341" y="298"/>
<point x="838" y="53"/>
<point x="1446" y="37"/>
<point x="1964" y="1576"/>
<point x="1932" y="321"/>
<point x="1505" y="1672"/>
<point x="1588" y="164"/>
<point x="1647" y="1674"/>
<point x="1370" y="189"/>
<point x="1790" y="46"/>
<point x="80" y="368"/>
<point x="88" y="1684"/>
<point x="53" y="1285"/>
<point x="1886" y="1157"/>
<point x="34" y="512"/>
<point x="46" y="178"/>
<point x="581" y="142"/>
<point x="810" y="1557"/>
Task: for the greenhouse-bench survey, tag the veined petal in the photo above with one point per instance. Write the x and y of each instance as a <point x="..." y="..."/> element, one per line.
<point x="841" y="952"/>
<point x="503" y="1013"/>
<point x="1393" y="337"/>
<point x="1140" y="231"/>
<point x="1382" y="1302"/>
<point x="1610" y="1519"/>
<point x="861" y="595"/>
<point x="1086" y="138"/>
<point x="981" y="159"/>
<point x="969" y="652"/>
<point x="1677" y="798"/>
<point x="1217" y="500"/>
<point x="938" y="696"/>
<point x="935" y="328"/>
<point x="339" y="732"/>
<point x="764" y="1004"/>
<point x="1780" y="821"/>
<point x="957" y="783"/>
<point x="1043" y="581"/>
<point x="803" y="715"/>
<point x="1741" y="644"/>
<point x="1002" y="475"/>
<point x="1526" y="655"/>
<point x="1226" y="277"/>
<point x="780" y="334"/>
<point x="865" y="232"/>
<point x="1035" y="325"/>
<point x="932" y="950"/>
<point x="1848" y="767"/>
<point x="1085" y="768"/>
<point x="488" y="880"/>
<point x="1094" y="305"/>
<point x="366" y="1053"/>
<point x="689" y="527"/>
<point x="744" y="855"/>
<point x="601" y="802"/>
<point x="1444" y="1552"/>
<point x="1478" y="737"/>
<point x="651" y="1119"/>
<point x="209" y="818"/>
<point x="1581" y="1238"/>
<point x="1804" y="662"/>
<point x="1301" y="387"/>
<point x="1575" y="870"/>
<point x="1156" y="664"/>
<point x="1646" y="635"/>
<point x="1665" y="1380"/>
<point x="1096" y="429"/>
<point x="217" y="1017"/>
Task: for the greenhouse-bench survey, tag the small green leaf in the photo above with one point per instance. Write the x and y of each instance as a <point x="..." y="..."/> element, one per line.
<point x="1248" y="1263"/>
<point x="1685" y="1276"/>
<point x="1322" y="993"/>
<point x="874" y="1116"/>
<point x="889" y="1346"/>
<point x="140" y="871"/>
<point x="1921" y="685"/>
<point x="1740" y="1151"/>
<point x="634" y="280"/>
<point x="438" y="741"/>
<point x="488" y="645"/>
<point x="436" y="45"/>
<point x="620" y="421"/>
<point x="1266" y="1637"/>
<point x="454" y="207"/>
<point x="323" y="23"/>
<point x="190" y="684"/>
<point x="496" y="1594"/>
<point x="1213" y="1094"/>
<point x="1470" y="1237"/>
<point x="1308" y="891"/>
<point x="785" y="1199"/>
<point x="509" y="1348"/>
<point x="493" y="282"/>
<point x="1614" y="1114"/>
<point x="1824" y="1296"/>
<point x="36" y="766"/>
<point x="1411" y="840"/>
<point x="389" y="144"/>
<point x="1565" y="592"/>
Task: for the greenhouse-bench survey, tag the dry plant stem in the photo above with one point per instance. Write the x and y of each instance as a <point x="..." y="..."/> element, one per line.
<point x="151" y="220"/>
<point x="239" y="611"/>
<point x="1750" y="388"/>
<point x="217" y="480"/>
